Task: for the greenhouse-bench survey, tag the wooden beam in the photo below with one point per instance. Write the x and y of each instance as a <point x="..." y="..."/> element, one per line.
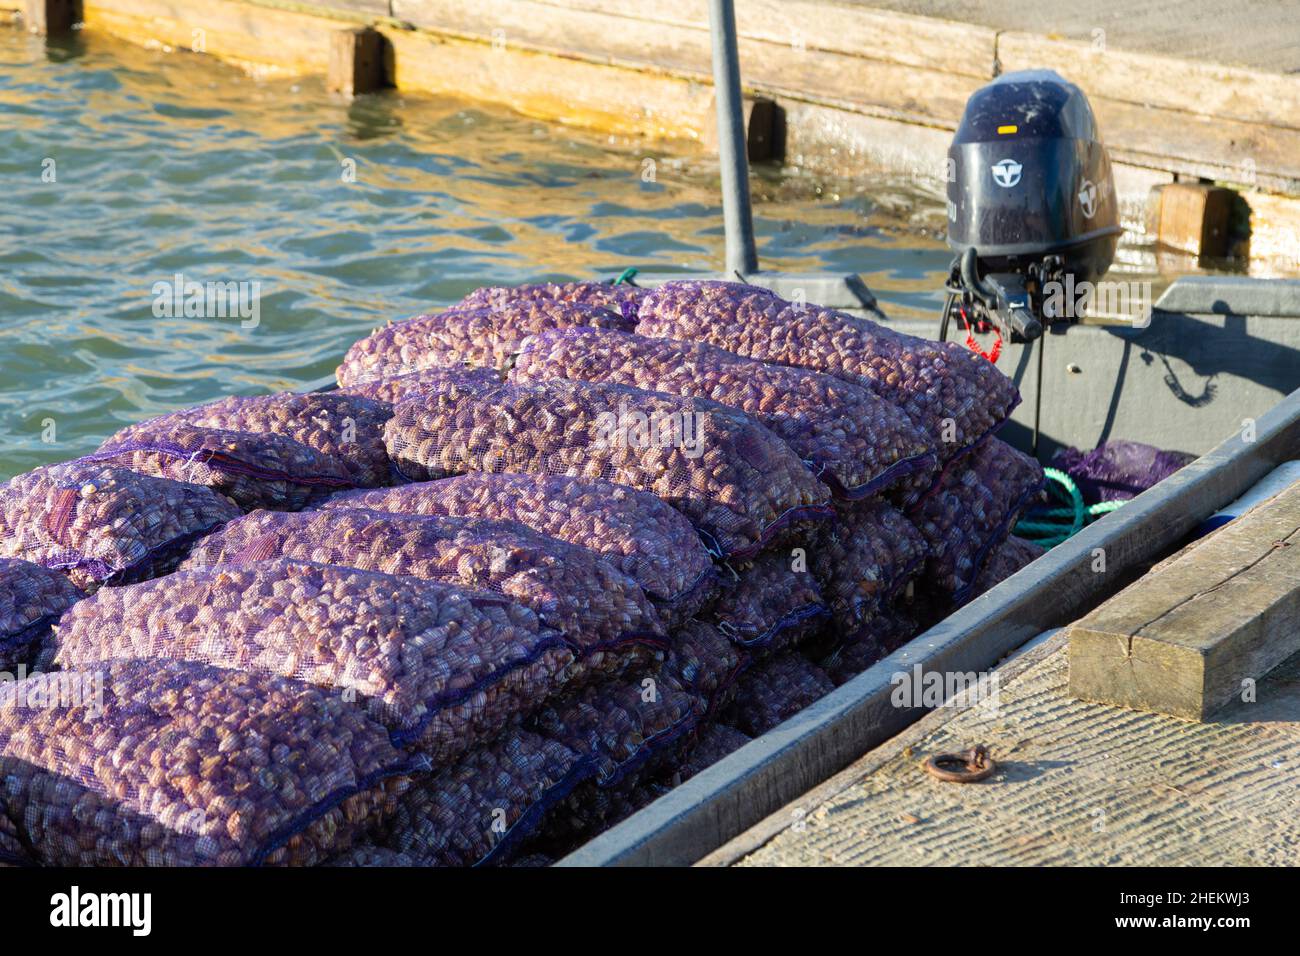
<point x="356" y="63"/>
<point x="51" y="17"/>
<point x="1195" y="634"/>
<point x="1192" y="217"/>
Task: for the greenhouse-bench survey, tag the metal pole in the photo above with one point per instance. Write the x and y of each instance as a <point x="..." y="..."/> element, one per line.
<point x="742" y="257"/>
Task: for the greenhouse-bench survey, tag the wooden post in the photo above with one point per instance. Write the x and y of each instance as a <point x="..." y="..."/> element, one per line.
<point x="356" y="63"/>
<point x="51" y="17"/>
<point x="764" y="130"/>
<point x="1192" y="217"/>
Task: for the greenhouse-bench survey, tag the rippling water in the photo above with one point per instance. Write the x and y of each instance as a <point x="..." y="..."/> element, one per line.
<point x="174" y="163"/>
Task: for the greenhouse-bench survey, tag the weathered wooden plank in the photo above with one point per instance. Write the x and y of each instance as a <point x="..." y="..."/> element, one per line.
<point x="1185" y="639"/>
<point x="1249" y="154"/>
<point x="942" y="45"/>
<point x="1165" y="82"/>
<point x="266" y="40"/>
<point x="775" y="68"/>
<point x="1077" y="785"/>
<point x="619" y="101"/>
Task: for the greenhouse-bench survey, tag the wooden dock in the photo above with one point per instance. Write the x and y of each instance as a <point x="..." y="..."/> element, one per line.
<point x="1078" y="784"/>
<point x="859" y="87"/>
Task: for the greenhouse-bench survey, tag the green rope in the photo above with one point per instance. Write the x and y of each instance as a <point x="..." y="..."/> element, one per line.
<point x="626" y="277"/>
<point x="1065" y="517"/>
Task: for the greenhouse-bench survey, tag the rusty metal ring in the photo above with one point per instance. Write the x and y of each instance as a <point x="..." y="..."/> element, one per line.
<point x="969" y="766"/>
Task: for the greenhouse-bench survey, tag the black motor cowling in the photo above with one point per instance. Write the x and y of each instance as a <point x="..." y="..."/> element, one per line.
<point x="1030" y="196"/>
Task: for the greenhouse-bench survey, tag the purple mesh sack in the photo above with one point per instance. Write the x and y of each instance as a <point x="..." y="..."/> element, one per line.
<point x="641" y="536"/>
<point x="1118" y="470"/>
<point x="623" y="299"/>
<point x="485" y="338"/>
<point x="440" y="667"/>
<point x="768" y="605"/>
<point x="773" y="691"/>
<point x="342" y="427"/>
<point x="628" y="732"/>
<point x="704" y="663"/>
<point x="368" y="855"/>
<point x="590" y="810"/>
<point x="604" y="617"/>
<point x="624" y="727"/>
<point x="971" y="510"/>
<point x="104" y="525"/>
<point x="1005" y="560"/>
<point x="853" y="440"/>
<point x="863" y="560"/>
<point x="955" y="396"/>
<point x="12" y="851"/>
<point x="399" y="388"/>
<point x="479" y="811"/>
<point x="710" y="745"/>
<point x="254" y="471"/>
<point x="887" y="631"/>
<point x="172" y="763"/>
<point x="740" y="485"/>
<point x="31" y="599"/>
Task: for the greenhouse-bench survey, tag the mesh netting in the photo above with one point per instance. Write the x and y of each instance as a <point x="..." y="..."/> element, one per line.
<point x="479" y="811"/>
<point x="254" y="471"/>
<point x="12" y="851"/>
<point x="774" y="690"/>
<point x="951" y="393"/>
<point x="440" y="667"/>
<point x="31" y="599"/>
<point x="1118" y="470"/>
<point x="864" y="559"/>
<point x="624" y="727"/>
<point x="1003" y="561"/>
<point x="643" y="537"/>
<point x="100" y="524"/>
<point x="703" y="662"/>
<point x="623" y="299"/>
<point x="853" y="440"/>
<point x="603" y="615"/>
<point x="591" y="809"/>
<point x="172" y="763"/>
<point x="485" y="338"/>
<point x="369" y="855"/>
<point x="887" y="631"/>
<point x="399" y="388"/>
<point x="629" y="732"/>
<point x="345" y="428"/>
<point x="971" y="510"/>
<point x="711" y="744"/>
<point x="768" y="605"/>
<point x="739" y="484"/>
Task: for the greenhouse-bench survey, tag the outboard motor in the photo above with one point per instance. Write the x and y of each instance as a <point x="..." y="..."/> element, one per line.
<point x="1030" y="201"/>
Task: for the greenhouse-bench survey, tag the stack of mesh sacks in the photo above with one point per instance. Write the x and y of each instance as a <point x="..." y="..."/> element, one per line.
<point x="599" y="383"/>
<point x="541" y="557"/>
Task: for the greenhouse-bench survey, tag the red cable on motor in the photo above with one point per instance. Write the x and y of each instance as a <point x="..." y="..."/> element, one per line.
<point x="974" y="346"/>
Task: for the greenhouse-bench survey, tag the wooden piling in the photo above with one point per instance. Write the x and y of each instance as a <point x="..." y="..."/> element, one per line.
<point x="51" y="17"/>
<point x="356" y="61"/>
<point x="1192" y="217"/>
